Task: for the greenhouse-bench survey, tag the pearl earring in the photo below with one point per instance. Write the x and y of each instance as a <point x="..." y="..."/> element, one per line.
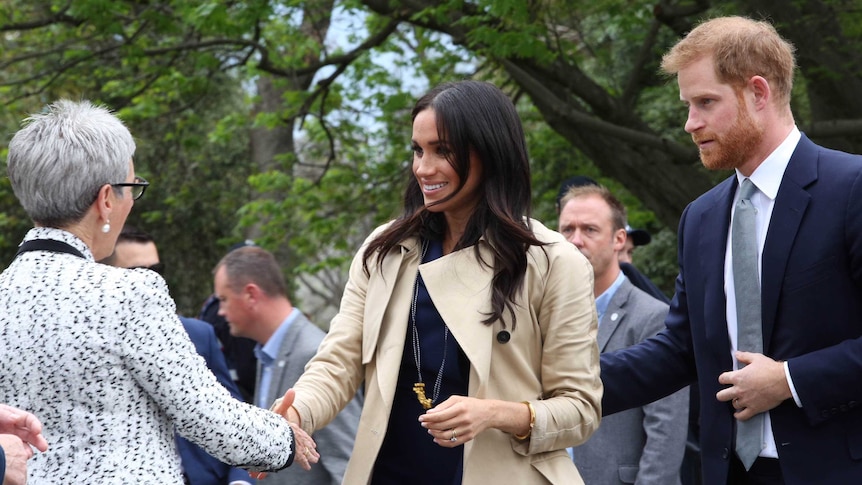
<point x="106" y="228"/>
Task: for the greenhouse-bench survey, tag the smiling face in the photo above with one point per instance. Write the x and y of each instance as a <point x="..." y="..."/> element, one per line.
<point x="437" y="178"/>
<point x="720" y="120"/>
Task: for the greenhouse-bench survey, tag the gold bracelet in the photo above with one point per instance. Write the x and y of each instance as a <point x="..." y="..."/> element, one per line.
<point x="532" y="422"/>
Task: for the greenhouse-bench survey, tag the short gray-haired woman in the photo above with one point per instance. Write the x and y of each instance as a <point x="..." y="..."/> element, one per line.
<point x="98" y="352"/>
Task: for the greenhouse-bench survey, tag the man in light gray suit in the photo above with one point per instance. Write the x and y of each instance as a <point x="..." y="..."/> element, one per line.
<point x="642" y="445"/>
<point x="253" y="299"/>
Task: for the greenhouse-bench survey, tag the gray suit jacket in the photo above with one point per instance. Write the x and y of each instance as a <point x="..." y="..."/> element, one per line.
<point x="642" y="445"/>
<point x="335" y="441"/>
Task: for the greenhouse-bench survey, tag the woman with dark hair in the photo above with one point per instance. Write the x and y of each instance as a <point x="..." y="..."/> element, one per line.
<point x="467" y="322"/>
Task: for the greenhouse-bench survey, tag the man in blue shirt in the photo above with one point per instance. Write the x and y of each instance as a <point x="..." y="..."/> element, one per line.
<point x="641" y="445"/>
<point x="252" y="294"/>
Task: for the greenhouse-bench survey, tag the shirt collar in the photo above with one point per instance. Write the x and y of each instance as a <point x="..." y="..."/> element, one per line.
<point x="269" y="352"/>
<point x="604" y="299"/>
<point x="767" y="176"/>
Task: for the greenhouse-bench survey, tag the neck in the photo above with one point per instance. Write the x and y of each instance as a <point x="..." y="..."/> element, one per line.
<point x="271" y="318"/>
<point x="605" y="280"/>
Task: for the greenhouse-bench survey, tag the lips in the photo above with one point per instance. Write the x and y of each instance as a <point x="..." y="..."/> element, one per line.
<point x="432" y="187"/>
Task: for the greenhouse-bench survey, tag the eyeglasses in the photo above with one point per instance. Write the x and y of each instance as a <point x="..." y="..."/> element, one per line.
<point x="158" y="267"/>
<point x="139" y="186"/>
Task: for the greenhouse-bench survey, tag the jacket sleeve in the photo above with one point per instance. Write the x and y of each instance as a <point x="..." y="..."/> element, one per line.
<point x="665" y="423"/>
<point x="561" y="295"/>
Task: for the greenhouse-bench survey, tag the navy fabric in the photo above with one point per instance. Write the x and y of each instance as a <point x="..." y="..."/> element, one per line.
<point x="408" y="450"/>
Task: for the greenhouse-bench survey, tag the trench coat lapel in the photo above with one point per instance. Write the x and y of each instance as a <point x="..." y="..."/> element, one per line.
<point x="460" y="287"/>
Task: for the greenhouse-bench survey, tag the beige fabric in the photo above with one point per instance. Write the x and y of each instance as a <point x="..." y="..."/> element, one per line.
<point x="552" y="358"/>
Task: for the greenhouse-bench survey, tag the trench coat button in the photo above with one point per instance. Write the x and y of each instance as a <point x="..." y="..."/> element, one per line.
<point x="503" y="336"/>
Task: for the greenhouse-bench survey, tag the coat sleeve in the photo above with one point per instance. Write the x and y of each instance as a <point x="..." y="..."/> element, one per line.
<point x="163" y="361"/>
<point x="332" y="378"/>
<point x="665" y="421"/>
<point x="561" y="294"/>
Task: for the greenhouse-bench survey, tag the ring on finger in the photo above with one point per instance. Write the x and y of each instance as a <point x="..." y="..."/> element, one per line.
<point x="454" y="438"/>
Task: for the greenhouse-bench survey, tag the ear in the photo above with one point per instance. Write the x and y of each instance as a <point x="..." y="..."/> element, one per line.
<point x="252" y="293"/>
<point x="759" y="88"/>
<point x="620" y="239"/>
<point x="105" y="200"/>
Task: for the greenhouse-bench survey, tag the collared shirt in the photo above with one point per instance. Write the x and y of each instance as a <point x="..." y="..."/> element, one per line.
<point x="767" y="178"/>
<point x="603" y="300"/>
<point x="266" y="355"/>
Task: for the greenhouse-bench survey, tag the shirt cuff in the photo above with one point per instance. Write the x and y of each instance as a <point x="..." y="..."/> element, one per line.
<point x="790" y="384"/>
<point x="239" y="482"/>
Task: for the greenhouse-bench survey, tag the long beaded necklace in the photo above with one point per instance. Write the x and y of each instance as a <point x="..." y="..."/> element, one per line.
<point x="419" y="387"/>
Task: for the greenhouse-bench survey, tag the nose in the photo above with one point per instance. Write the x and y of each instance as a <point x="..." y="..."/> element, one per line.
<point x="422" y="167"/>
<point x="575" y="238"/>
<point x="694" y="122"/>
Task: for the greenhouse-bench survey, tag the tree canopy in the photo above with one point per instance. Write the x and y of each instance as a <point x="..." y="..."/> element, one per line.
<point x="288" y="121"/>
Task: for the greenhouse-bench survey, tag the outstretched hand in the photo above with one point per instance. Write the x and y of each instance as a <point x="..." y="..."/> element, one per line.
<point x="305" y="447"/>
<point x="23" y="425"/>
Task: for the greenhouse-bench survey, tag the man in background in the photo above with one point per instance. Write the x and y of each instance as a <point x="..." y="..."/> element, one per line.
<point x="137" y="249"/>
<point x="252" y="295"/>
<point x="635" y="237"/>
<point x="641" y="445"/>
<point x="642" y="237"/>
<point x="239" y="351"/>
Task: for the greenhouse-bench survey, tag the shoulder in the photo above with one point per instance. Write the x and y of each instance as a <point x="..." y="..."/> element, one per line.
<point x="197" y="329"/>
<point x="644" y="301"/>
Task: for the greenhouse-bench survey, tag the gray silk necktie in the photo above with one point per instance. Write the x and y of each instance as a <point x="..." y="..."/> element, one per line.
<point x="749" y="434"/>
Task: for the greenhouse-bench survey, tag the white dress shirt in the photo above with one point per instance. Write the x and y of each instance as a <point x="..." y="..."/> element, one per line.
<point x="767" y="178"/>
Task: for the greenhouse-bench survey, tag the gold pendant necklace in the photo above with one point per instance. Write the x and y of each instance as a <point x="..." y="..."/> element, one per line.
<point x="419" y="387"/>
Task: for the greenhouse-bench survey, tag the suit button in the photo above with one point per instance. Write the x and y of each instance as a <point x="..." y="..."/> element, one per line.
<point x="852" y="404"/>
<point x="725" y="453"/>
<point x="503" y="336"/>
<point x="824" y="413"/>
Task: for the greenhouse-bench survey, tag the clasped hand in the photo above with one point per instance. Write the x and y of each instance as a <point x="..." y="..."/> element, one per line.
<point x="756" y="388"/>
<point x="306" y="448"/>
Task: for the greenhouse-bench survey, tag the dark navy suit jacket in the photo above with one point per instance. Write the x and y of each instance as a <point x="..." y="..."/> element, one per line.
<point x="812" y="318"/>
<point x="199" y="466"/>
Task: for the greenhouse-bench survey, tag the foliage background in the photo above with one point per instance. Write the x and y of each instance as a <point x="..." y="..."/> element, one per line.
<point x="287" y="121"/>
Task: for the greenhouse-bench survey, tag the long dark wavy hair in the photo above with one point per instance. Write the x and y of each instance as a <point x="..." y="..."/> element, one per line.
<point x="476" y="117"/>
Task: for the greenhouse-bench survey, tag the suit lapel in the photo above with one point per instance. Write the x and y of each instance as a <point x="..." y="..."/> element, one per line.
<point x="711" y="246"/>
<point x="460" y="287"/>
<point x="790" y="206"/>
<point x="614" y="315"/>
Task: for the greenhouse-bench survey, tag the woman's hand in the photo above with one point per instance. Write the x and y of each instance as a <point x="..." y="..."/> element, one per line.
<point x="458" y="420"/>
<point x="306" y="448"/>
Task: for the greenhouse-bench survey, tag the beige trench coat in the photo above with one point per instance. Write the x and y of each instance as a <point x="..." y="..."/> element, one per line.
<point x="551" y="359"/>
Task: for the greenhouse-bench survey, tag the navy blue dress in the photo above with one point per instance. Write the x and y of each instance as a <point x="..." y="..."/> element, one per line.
<point x="409" y="454"/>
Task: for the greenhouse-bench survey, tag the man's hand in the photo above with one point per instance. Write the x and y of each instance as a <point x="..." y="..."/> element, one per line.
<point x="758" y="387"/>
<point x="17" y="453"/>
